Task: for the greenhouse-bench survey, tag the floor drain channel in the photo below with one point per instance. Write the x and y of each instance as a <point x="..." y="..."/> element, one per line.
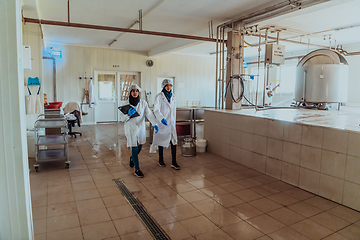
<point x="139" y="208"/>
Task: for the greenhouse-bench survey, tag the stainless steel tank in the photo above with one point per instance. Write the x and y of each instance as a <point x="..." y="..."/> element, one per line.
<point x="322" y="77"/>
<point x="188" y="148"/>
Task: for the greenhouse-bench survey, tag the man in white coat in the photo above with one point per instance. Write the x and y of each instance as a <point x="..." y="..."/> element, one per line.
<point x="135" y="131"/>
<point x="165" y="112"/>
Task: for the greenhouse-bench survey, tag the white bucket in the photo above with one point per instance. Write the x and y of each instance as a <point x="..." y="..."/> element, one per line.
<point x="200" y="145"/>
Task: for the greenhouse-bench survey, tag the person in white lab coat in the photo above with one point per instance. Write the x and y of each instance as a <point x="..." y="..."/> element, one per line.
<point x="135" y="131"/>
<point x="165" y="112"/>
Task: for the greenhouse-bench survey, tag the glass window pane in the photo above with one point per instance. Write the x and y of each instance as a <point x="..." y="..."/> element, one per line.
<point x="107" y="87"/>
<point x="125" y="82"/>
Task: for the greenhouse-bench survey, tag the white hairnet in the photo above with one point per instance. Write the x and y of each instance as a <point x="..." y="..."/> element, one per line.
<point x="134" y="86"/>
<point x="166" y="82"/>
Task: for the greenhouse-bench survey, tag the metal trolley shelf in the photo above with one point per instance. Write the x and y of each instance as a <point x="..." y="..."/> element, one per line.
<point x="48" y="140"/>
<point x="51" y="147"/>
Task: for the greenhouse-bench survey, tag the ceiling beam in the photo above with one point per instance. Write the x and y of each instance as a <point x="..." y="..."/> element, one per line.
<point x="137" y="21"/>
<point x="171" y="46"/>
<point x="117" y="29"/>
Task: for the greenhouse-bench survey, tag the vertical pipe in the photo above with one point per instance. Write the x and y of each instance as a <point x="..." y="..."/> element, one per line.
<point x="240" y="65"/>
<point x="267" y="74"/>
<point x="266" y="37"/>
<point x="258" y="74"/>
<point x="54" y="79"/>
<point x="223" y="70"/>
<point x="231" y="53"/>
<point x="219" y="59"/>
<point x="277" y="37"/>
<point x="140" y="19"/>
<point x="217" y="65"/>
<point x="220" y="68"/>
<point x="68" y="11"/>
<point x="219" y="77"/>
<point x="240" y="47"/>
<point x="209" y="29"/>
<point x="241" y="62"/>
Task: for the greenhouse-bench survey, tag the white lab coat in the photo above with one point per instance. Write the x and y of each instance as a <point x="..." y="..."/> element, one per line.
<point x="92" y="100"/>
<point x="164" y="109"/>
<point x="135" y="131"/>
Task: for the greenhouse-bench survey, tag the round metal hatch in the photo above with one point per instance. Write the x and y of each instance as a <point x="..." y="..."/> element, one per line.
<point x="322" y="56"/>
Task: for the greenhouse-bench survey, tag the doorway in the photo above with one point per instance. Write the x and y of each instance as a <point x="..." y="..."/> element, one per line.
<point x="111" y="90"/>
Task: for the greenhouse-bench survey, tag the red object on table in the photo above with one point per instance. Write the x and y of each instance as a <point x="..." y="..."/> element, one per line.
<point x="53" y="105"/>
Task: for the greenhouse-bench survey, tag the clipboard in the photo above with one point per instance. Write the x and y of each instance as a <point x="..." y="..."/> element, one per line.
<point x="125" y="109"/>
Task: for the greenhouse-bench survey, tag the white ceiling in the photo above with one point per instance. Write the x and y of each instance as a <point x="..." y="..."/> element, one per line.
<point x="187" y="17"/>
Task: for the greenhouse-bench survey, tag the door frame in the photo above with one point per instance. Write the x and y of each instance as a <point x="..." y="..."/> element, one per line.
<point x="117" y="83"/>
<point x="96" y="72"/>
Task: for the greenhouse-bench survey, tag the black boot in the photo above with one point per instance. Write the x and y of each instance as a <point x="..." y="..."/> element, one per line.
<point x="161" y="157"/>
<point x="131" y="163"/>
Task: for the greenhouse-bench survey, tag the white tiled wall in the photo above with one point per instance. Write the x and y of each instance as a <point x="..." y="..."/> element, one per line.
<point x="352" y="172"/>
<point x="321" y="160"/>
<point x="309" y="180"/>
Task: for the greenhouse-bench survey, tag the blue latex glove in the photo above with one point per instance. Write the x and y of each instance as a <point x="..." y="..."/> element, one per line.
<point x="163" y="121"/>
<point x="156" y="128"/>
<point x="131" y="111"/>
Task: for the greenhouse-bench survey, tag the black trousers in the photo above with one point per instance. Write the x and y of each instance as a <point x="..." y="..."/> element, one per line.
<point x="173" y="153"/>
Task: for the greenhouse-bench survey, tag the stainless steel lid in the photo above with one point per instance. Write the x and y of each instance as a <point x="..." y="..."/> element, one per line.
<point x="322" y="56"/>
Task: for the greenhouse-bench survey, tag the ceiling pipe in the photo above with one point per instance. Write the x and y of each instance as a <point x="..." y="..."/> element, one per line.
<point x="292" y="41"/>
<point x="324" y="31"/>
<point x="301" y="56"/>
<point x="352" y="53"/>
<point x="278" y="39"/>
<point x="140" y="19"/>
<point x="117" y="29"/>
<point x="284" y="7"/>
<point x="68" y="11"/>
<point x="144" y="15"/>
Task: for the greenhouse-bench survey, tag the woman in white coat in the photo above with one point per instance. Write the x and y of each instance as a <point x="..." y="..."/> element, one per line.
<point x="135" y="131"/>
<point x="165" y="112"/>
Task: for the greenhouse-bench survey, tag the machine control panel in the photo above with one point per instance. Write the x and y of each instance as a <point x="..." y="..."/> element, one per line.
<point x="275" y="54"/>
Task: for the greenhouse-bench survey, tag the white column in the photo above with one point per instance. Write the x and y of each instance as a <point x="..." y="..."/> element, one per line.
<point x="15" y="198"/>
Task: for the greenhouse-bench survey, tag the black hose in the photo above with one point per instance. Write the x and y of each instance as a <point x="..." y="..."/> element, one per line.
<point x="231" y="91"/>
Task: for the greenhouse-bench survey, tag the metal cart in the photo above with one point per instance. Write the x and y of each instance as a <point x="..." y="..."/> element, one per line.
<point x="51" y="147"/>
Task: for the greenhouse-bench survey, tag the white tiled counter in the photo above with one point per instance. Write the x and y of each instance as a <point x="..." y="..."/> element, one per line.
<point x="318" y="151"/>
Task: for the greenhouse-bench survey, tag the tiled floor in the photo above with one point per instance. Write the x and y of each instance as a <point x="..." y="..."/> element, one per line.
<point x="209" y="198"/>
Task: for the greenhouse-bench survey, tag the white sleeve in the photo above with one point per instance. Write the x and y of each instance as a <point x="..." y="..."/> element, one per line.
<point x="149" y="114"/>
<point x="157" y="105"/>
<point x="174" y="111"/>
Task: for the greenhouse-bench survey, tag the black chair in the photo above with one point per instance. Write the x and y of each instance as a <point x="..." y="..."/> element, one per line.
<point x="71" y="123"/>
<point x="73" y="108"/>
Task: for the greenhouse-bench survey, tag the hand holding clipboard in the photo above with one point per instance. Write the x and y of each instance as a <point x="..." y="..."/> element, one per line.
<point x="125" y="110"/>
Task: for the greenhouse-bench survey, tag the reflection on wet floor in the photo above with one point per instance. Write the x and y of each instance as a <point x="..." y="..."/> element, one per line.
<point x="209" y="198"/>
